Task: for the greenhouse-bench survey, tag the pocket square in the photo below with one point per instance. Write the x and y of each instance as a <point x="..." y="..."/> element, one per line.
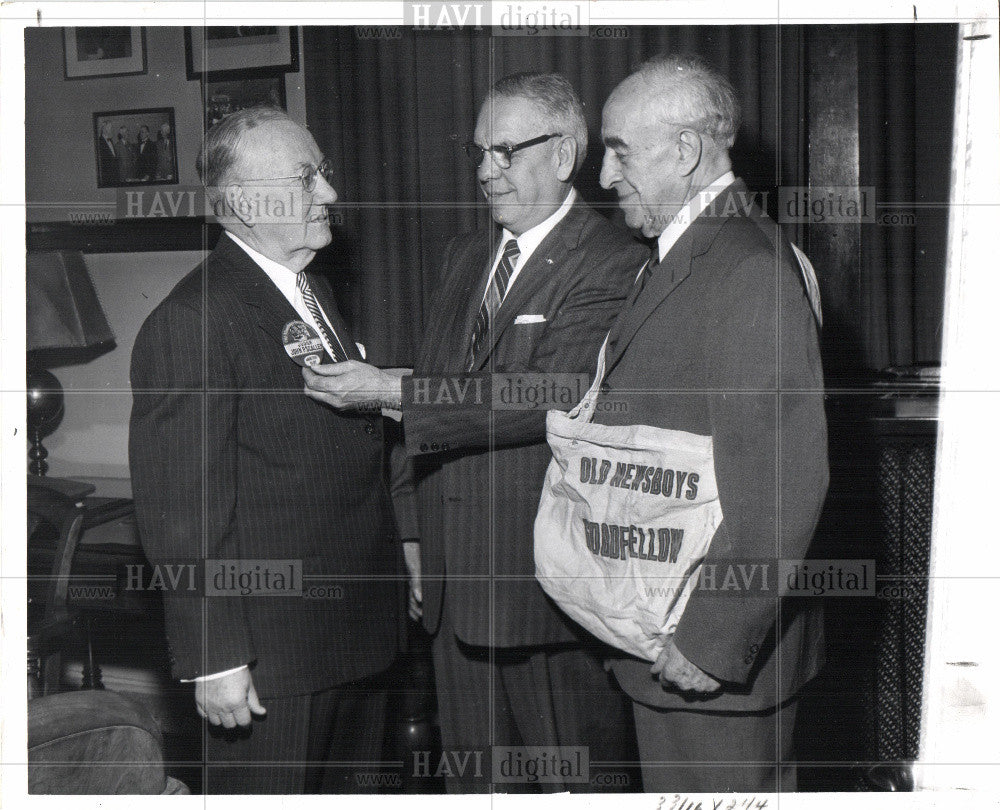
<point x="529" y="319"/>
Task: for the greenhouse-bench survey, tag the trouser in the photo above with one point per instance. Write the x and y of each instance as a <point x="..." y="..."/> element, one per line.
<point x="558" y="695"/>
<point x="324" y="742"/>
<point x="714" y="752"/>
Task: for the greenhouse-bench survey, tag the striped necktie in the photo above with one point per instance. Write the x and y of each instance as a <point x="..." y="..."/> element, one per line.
<point x="493" y="298"/>
<point x="333" y="342"/>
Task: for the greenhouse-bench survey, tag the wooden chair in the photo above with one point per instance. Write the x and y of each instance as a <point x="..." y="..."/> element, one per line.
<point x="55" y="509"/>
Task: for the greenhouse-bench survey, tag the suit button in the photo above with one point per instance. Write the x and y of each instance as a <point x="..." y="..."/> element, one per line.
<point x="748" y="660"/>
<point x="605" y="388"/>
<point x="435" y="446"/>
<point x="423" y="447"/>
<point x="369" y="428"/>
<point x="754" y="649"/>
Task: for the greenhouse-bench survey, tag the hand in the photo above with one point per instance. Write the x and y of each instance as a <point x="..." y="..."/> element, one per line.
<point x="674" y="669"/>
<point x="411" y="554"/>
<point x="352" y="384"/>
<point x="229" y="700"/>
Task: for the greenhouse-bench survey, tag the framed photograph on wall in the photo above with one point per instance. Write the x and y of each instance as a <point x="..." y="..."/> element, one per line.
<point x="96" y="51"/>
<point x="227" y="96"/>
<point x="241" y="51"/>
<point x="135" y="147"/>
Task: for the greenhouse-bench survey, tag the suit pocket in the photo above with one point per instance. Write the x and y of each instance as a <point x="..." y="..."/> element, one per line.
<point x="518" y="342"/>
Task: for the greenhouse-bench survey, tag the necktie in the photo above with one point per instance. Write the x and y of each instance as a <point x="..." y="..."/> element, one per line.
<point x="650" y="268"/>
<point x="494" y="297"/>
<point x="333" y="342"/>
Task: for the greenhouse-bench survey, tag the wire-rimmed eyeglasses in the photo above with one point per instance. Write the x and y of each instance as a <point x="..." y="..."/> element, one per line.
<point x="307" y="176"/>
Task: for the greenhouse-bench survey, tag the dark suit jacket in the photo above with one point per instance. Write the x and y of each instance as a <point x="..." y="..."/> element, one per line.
<point x="479" y="472"/>
<point x="720" y="327"/>
<point x="145" y="159"/>
<point x="230" y="460"/>
<point x="107" y="162"/>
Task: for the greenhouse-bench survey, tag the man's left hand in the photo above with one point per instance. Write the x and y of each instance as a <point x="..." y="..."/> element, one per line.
<point x="674" y="669"/>
<point x="352" y="384"/>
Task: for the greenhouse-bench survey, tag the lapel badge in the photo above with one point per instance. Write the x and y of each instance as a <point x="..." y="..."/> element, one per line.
<point x="302" y="343"/>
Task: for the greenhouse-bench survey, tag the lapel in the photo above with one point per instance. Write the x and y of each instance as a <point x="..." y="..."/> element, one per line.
<point x="674" y="268"/>
<point x="480" y="260"/>
<point x="271" y="310"/>
<point x="544" y="261"/>
<point x="456" y="303"/>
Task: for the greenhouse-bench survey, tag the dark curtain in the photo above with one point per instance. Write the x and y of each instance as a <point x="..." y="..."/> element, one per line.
<point x="394" y="113"/>
<point x="906" y="95"/>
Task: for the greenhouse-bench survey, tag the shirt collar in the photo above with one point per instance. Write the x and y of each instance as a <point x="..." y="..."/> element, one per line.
<point x="688" y="213"/>
<point x="532" y="238"/>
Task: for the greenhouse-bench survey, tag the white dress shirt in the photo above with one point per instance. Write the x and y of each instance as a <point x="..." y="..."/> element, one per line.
<point x="690" y="211"/>
<point x="285" y="280"/>
<point x="528" y="241"/>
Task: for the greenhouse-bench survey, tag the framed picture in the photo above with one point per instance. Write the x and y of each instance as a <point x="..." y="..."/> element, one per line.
<point x="241" y="51"/>
<point x="227" y="96"/>
<point x="135" y="148"/>
<point x="104" y="51"/>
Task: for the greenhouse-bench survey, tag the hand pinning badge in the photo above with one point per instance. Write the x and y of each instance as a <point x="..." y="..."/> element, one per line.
<point x="303" y="343"/>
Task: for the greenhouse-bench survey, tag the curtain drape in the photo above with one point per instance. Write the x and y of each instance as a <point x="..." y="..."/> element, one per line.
<point x="906" y="90"/>
<point x="393" y="114"/>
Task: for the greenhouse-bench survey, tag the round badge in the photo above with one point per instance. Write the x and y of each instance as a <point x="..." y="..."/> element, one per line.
<point x="302" y="343"/>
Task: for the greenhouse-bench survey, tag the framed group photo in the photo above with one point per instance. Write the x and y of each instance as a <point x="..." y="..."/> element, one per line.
<point x="135" y="147"/>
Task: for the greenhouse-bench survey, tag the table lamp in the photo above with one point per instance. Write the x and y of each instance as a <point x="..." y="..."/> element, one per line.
<point x="65" y="325"/>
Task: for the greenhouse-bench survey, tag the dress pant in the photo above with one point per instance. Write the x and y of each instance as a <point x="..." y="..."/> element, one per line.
<point x="324" y="742"/>
<point x="716" y="752"/>
<point x="557" y="695"/>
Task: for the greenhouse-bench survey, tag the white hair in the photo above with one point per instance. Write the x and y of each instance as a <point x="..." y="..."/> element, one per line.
<point x="692" y="92"/>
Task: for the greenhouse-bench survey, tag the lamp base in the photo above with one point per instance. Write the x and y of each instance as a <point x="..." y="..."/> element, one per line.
<point x="45" y="408"/>
<point x="38" y="454"/>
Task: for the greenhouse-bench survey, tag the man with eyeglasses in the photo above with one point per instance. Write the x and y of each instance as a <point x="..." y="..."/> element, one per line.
<point x="534" y="293"/>
<point x="292" y="604"/>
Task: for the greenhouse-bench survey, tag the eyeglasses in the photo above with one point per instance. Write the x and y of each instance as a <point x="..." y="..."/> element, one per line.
<point x="502" y="153"/>
<point x="307" y="176"/>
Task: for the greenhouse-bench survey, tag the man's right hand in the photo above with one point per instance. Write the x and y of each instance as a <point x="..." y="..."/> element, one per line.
<point x="352" y="384"/>
<point x="228" y="701"/>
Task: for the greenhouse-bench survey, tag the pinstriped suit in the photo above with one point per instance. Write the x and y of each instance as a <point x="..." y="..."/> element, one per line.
<point x="230" y="460"/>
<point x="479" y="474"/>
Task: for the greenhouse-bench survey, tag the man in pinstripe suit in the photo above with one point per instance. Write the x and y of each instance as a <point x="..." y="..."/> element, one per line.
<point x="535" y="293"/>
<point x="279" y="498"/>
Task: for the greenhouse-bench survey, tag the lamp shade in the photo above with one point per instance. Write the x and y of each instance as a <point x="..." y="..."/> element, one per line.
<point x="63" y="309"/>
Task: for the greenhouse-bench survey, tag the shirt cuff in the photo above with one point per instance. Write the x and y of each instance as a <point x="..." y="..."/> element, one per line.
<point x="214" y="676"/>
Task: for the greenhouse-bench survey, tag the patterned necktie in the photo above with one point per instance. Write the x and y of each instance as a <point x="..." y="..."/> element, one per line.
<point x="493" y="299"/>
<point x="302" y="282"/>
